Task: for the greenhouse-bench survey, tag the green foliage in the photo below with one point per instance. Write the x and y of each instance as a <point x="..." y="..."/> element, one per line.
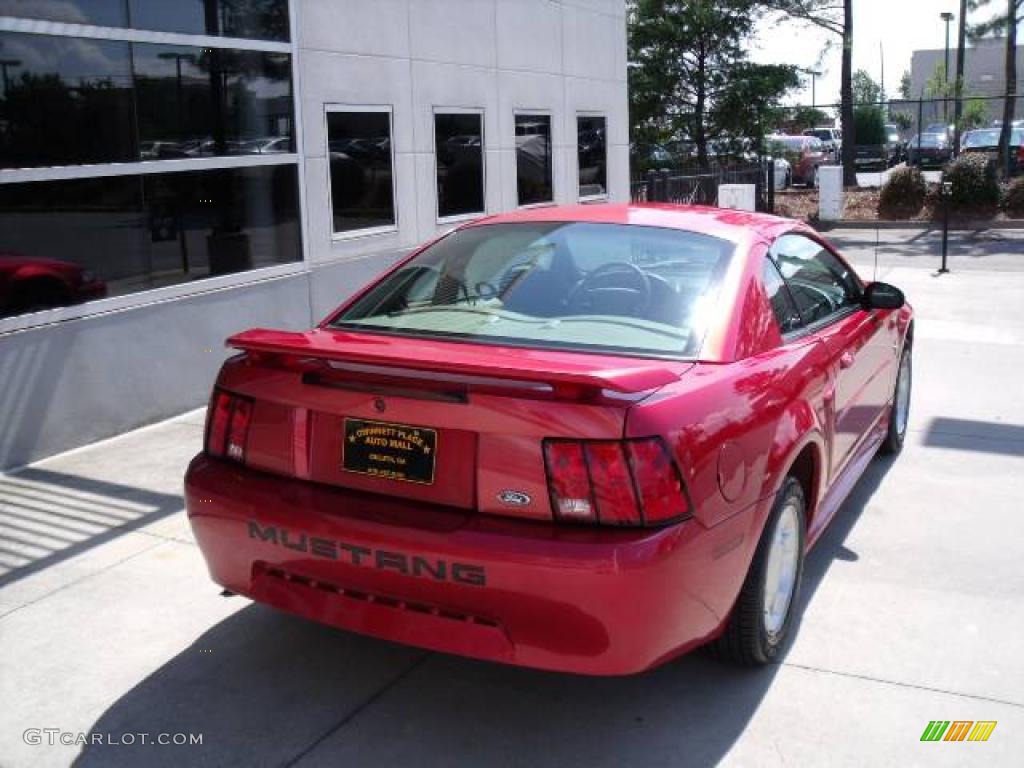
<point x="808" y="117"/>
<point x="974" y="114"/>
<point x="865" y="89"/>
<point x="905" y="85"/>
<point x="902" y="120"/>
<point x="938" y="86"/>
<point x="869" y="126"/>
<point x="903" y="194"/>
<point x="973" y="178"/>
<point x="1013" y="202"/>
<point x="689" y="76"/>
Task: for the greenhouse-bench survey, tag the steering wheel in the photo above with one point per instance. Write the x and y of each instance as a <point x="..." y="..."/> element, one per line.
<point x="607" y="280"/>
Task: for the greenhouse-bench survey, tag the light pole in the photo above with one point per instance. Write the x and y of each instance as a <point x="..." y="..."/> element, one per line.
<point x="946" y="17"/>
<point x="178" y="58"/>
<point x="814" y="77"/>
<point x="4" y="64"/>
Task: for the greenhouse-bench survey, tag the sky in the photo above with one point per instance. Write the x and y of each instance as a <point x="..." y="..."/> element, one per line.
<point x="899" y="26"/>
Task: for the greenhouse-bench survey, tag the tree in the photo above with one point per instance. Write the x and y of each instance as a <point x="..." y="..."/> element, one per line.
<point x="808" y="117"/>
<point x="689" y="75"/>
<point x="837" y="18"/>
<point x="865" y="89"/>
<point x="905" y="85"/>
<point x="1004" y="23"/>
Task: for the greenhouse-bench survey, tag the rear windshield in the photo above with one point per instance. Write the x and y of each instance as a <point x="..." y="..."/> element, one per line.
<point x="590" y="287"/>
<point x="990" y="138"/>
<point x="930" y="140"/>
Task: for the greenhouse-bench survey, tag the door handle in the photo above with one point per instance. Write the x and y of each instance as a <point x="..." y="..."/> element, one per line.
<point x="846" y="360"/>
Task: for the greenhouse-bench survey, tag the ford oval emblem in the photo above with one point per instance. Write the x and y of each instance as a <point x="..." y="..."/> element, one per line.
<point x="515" y="498"/>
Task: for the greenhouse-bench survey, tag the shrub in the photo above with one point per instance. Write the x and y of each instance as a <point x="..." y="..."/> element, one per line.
<point x="973" y="177"/>
<point x="903" y="194"/>
<point x="1014" y="200"/>
<point x="868" y="126"/>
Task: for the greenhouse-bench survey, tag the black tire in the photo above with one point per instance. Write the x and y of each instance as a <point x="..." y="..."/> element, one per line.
<point x="746" y="640"/>
<point x="894" y="436"/>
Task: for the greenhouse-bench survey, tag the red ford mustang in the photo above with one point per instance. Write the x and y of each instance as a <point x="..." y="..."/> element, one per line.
<point x="583" y="438"/>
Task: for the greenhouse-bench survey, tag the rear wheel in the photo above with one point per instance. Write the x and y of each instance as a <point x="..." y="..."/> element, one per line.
<point x="763" y="615"/>
<point x="899" y="415"/>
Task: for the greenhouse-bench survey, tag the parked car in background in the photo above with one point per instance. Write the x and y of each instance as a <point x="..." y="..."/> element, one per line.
<point x="31" y="284"/>
<point x="831" y="139"/>
<point x="783" y="172"/>
<point x="871" y="157"/>
<point x="929" y="150"/>
<point x="579" y="438"/>
<point x="947" y="130"/>
<point x="805" y="155"/>
<point x="986" y="141"/>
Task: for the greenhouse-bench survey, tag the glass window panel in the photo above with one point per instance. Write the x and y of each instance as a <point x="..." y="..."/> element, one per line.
<point x="821" y="285"/>
<point x="592" y="153"/>
<point x="201" y="102"/>
<point x="103" y="13"/>
<point x="65" y="242"/>
<point x="459" y="148"/>
<point x="65" y="101"/>
<point x="783" y="308"/>
<point x="362" y="191"/>
<point x="533" y="159"/>
<point x="258" y="19"/>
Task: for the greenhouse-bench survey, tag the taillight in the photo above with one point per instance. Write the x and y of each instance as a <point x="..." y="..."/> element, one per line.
<point x="1020" y="155"/>
<point x="227" y="425"/>
<point x="614" y="482"/>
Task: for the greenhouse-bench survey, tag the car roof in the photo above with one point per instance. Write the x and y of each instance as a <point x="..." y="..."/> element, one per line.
<point x="727" y="224"/>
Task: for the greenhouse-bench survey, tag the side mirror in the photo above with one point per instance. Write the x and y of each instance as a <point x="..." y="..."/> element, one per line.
<point x="883" y="296"/>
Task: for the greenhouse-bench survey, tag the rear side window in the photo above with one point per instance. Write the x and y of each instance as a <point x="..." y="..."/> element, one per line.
<point x="783" y="306"/>
<point x="820" y="284"/>
<point x="592" y="287"/>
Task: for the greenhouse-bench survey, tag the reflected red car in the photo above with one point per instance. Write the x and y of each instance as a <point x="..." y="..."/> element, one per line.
<point x="583" y="438"/>
<point x="30" y="284"/>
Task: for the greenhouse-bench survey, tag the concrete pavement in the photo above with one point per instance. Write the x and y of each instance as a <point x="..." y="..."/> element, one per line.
<point x="913" y="606"/>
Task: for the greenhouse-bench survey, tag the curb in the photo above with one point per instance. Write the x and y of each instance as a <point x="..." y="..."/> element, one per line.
<point x="825" y="226"/>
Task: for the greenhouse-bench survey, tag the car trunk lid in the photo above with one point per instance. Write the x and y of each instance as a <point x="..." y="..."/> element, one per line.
<point x="459" y="424"/>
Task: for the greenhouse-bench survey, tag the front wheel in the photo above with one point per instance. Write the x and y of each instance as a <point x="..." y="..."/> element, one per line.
<point x="899" y="414"/>
<point x="763" y="615"/>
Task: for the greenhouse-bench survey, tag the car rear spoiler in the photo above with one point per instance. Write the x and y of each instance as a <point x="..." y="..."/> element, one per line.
<point x="554" y="368"/>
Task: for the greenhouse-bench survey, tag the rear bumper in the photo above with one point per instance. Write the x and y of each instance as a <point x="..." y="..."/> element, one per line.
<point x="571" y="599"/>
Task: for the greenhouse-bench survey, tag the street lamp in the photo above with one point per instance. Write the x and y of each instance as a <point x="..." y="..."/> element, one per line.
<point x="814" y="73"/>
<point x="947" y="17"/>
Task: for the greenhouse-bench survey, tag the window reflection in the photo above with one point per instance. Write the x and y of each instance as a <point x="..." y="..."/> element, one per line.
<point x="64" y="242"/>
<point x="459" y="151"/>
<point x="101" y="13"/>
<point x="592" y="155"/>
<point x="257" y="19"/>
<point x="359" y="145"/>
<point x="70" y="101"/>
<point x="65" y="101"/>
<point x="533" y="159"/>
<point x="195" y="102"/>
<point x="260" y="19"/>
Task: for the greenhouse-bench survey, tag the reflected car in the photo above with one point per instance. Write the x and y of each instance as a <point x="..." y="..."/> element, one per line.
<point x="583" y="438"/>
<point x="31" y="284"/>
<point x="929" y="150"/>
<point x="986" y="141"/>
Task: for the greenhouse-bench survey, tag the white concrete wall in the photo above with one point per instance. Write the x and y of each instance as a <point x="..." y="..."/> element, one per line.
<point x="560" y="57"/>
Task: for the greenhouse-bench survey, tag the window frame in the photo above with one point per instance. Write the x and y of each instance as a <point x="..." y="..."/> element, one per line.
<point x="603" y="196"/>
<point x="549" y="114"/>
<point x="442" y="110"/>
<point x="355" y="234"/>
<point x="824" y="322"/>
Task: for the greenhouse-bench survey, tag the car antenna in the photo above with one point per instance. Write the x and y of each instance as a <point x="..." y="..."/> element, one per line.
<point x="874" y="277"/>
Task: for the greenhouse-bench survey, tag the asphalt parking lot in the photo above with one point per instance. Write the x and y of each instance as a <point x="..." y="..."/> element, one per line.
<point x="913" y="605"/>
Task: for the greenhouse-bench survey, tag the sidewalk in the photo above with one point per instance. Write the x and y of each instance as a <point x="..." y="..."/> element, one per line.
<point x="913" y="607"/>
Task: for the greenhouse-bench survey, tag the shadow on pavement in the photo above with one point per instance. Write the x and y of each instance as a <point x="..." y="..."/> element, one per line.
<point x="265" y="688"/>
<point x="973" y="435"/>
<point x="47" y="517"/>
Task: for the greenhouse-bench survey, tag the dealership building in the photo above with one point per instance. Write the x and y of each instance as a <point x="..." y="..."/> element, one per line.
<point x="174" y="172"/>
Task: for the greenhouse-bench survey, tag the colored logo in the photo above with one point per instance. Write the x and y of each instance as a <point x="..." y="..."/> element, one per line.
<point x="958" y="730"/>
